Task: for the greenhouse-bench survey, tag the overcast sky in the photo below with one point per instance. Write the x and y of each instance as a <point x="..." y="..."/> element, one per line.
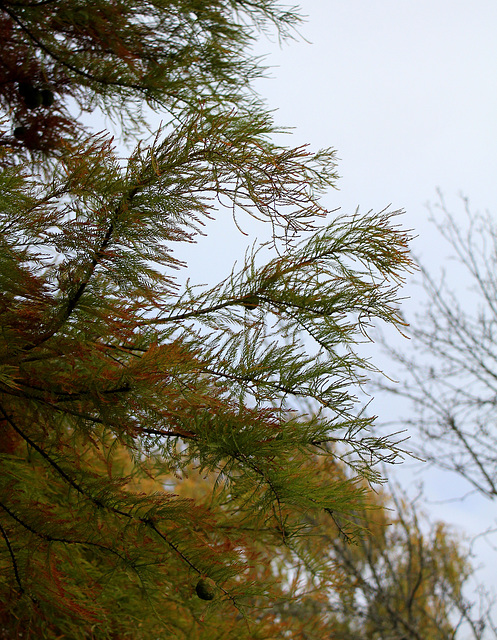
<point x="406" y="92"/>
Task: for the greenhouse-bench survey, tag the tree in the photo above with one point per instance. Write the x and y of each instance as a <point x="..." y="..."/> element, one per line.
<point x="405" y="578"/>
<point x="451" y="381"/>
<point x="120" y="56"/>
<point x="115" y="379"/>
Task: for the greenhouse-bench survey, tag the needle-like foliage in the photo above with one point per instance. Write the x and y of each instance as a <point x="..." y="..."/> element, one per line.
<point x="114" y="379"/>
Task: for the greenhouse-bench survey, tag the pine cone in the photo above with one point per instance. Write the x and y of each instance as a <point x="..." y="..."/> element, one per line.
<point x="205" y="589"/>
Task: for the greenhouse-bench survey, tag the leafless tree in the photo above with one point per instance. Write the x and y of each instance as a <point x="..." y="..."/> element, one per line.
<point x="448" y="371"/>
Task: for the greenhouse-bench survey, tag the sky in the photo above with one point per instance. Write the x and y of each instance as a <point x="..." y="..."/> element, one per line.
<point x="406" y="92"/>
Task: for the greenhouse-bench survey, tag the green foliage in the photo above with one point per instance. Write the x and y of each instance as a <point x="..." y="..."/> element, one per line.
<point x="117" y="386"/>
<point x="120" y="56"/>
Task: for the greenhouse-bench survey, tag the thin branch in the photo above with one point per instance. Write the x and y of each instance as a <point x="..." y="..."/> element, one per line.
<point x="50" y="538"/>
<point x="13" y="558"/>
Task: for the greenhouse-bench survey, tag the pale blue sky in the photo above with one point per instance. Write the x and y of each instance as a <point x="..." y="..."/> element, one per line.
<point x="406" y="92"/>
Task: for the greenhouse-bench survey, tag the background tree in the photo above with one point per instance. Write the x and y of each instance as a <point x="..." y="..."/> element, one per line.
<point x="405" y="578"/>
<point x="451" y="381"/>
<point x="408" y="580"/>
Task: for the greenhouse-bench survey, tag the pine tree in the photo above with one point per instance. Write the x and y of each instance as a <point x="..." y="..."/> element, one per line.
<point x="114" y="379"/>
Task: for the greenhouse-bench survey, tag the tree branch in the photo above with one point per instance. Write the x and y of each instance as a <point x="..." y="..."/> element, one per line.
<point x="13" y="558"/>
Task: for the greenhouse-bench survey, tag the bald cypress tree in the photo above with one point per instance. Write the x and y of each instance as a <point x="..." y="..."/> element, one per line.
<point x="114" y="379"/>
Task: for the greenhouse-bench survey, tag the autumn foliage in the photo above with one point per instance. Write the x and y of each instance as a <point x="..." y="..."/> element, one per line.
<point x="160" y="477"/>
